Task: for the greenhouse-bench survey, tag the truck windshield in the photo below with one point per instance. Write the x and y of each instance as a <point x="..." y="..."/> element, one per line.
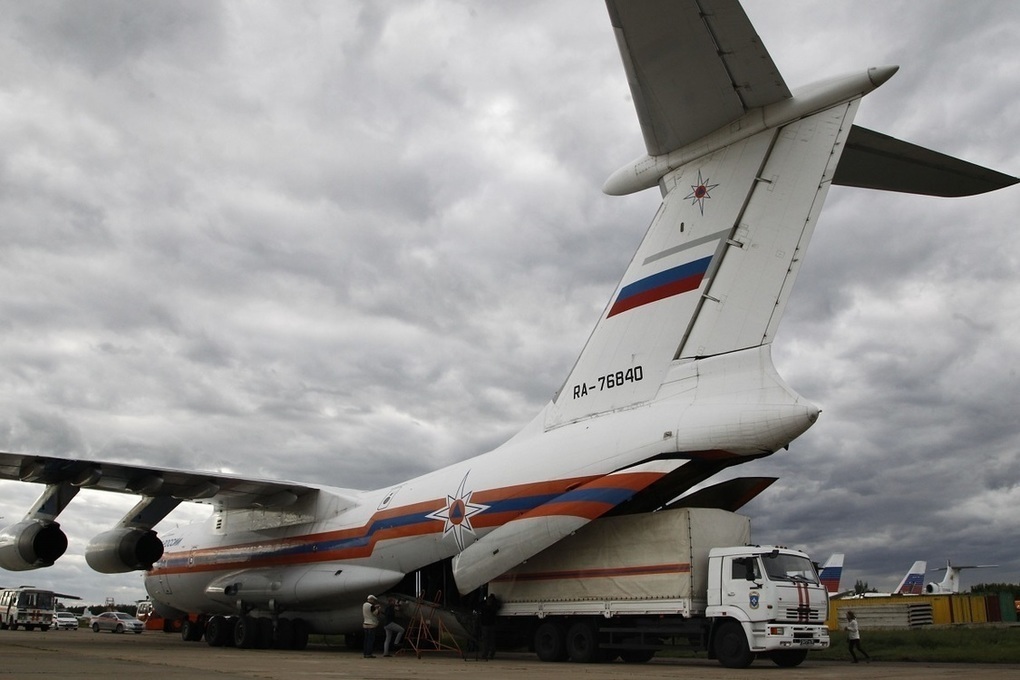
<point x="789" y="568"/>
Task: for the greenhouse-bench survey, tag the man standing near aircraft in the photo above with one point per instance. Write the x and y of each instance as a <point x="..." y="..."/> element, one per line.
<point x="394" y="631"/>
<point x="487" y="624"/>
<point x="370" y="614"/>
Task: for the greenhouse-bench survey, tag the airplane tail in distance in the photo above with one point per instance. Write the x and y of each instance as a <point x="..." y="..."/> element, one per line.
<point x="951" y="582"/>
<point x="913" y="582"/>
<point x="832" y="572"/>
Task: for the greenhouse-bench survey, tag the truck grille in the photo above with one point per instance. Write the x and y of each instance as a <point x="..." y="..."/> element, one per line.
<point x="803" y="613"/>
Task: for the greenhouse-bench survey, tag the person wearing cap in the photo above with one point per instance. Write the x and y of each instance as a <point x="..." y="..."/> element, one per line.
<point x="370" y="616"/>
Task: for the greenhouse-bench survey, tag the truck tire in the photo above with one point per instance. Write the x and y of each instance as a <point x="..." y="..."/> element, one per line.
<point x="549" y="644"/>
<point x="583" y="642"/>
<point x="788" y="658"/>
<point x="731" y="646"/>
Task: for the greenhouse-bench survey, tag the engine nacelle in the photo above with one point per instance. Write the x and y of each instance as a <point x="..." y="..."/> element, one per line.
<point x="31" y="544"/>
<point x="125" y="549"/>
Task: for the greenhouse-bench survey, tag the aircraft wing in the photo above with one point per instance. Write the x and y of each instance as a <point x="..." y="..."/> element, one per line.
<point x="202" y="487"/>
<point x="692" y="67"/>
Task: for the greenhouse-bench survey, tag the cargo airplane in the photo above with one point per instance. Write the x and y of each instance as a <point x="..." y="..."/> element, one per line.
<point x="674" y="384"/>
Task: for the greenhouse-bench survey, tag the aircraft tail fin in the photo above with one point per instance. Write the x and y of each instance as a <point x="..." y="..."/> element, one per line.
<point x="913" y="582"/>
<point x="716" y="267"/>
<point x="832" y="572"/>
<point x="872" y="160"/>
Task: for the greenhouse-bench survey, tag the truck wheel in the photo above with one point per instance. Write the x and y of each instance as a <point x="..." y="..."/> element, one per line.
<point x="583" y="642"/>
<point x="549" y="642"/>
<point x="788" y="658"/>
<point x="731" y="646"/>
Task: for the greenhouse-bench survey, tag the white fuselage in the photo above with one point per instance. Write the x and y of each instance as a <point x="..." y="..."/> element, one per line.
<point x="325" y="556"/>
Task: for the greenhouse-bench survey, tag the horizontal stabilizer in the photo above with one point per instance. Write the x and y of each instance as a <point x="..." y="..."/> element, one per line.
<point x="872" y="160"/>
<point x="692" y="67"/>
<point x="730" y="495"/>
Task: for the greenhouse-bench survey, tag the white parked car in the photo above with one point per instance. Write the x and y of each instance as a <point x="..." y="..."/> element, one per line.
<point x="116" y="622"/>
<point x="64" y="621"/>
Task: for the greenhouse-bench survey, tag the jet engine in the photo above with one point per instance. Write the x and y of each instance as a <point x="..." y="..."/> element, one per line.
<point x="123" y="549"/>
<point x="31" y="544"/>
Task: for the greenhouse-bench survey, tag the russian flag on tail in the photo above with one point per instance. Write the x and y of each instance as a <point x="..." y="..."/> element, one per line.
<point x="660" y="286"/>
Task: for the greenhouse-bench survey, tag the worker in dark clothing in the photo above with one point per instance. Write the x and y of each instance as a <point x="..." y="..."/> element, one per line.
<point x="487" y="624"/>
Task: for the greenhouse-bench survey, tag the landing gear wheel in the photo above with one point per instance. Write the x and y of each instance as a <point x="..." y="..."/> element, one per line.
<point x="284" y="634"/>
<point x="788" y="658"/>
<point x="217" y="630"/>
<point x="583" y="642"/>
<point x="191" y="631"/>
<point x="246" y="632"/>
<point x="264" y="634"/>
<point x="731" y="646"/>
<point x="300" y="634"/>
<point x="549" y="643"/>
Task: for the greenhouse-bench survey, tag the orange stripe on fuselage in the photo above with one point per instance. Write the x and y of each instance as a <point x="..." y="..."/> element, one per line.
<point x="246" y="555"/>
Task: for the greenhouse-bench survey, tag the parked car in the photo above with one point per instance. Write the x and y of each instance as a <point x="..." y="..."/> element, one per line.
<point x="116" y="622"/>
<point x="65" y="621"/>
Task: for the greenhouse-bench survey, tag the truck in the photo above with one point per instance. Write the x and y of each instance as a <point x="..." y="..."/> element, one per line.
<point x="628" y="586"/>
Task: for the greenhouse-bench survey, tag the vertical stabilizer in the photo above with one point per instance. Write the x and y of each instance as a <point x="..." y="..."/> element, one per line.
<point x="716" y="266"/>
<point x="913" y="582"/>
<point x="832" y="572"/>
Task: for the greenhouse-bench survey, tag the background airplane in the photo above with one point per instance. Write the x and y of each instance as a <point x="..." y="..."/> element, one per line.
<point x="950" y="584"/>
<point x="911" y="584"/>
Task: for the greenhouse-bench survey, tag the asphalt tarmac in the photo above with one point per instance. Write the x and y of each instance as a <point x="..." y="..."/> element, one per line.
<point x="162" y="656"/>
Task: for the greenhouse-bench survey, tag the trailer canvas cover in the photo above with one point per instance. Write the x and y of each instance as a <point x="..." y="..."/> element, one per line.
<point x="651" y="556"/>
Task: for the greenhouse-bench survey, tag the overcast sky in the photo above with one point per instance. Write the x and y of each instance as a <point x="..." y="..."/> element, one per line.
<point x="353" y="242"/>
